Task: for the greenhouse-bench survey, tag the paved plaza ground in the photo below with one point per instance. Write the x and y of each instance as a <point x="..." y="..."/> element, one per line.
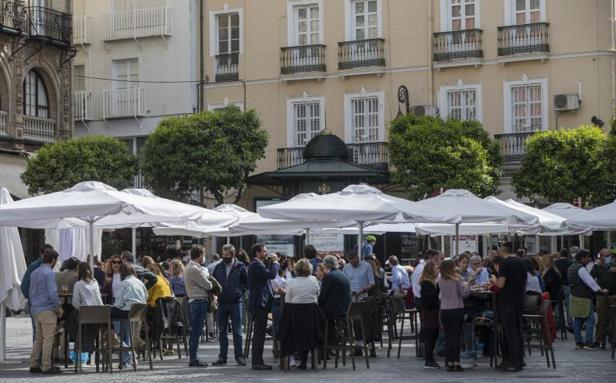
<point x="572" y="366"/>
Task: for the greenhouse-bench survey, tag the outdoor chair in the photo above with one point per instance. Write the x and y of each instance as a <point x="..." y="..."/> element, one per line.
<point x="533" y="322"/>
<point x="399" y="312"/>
<point x="168" y="325"/>
<point x="137" y="314"/>
<point x="99" y="316"/>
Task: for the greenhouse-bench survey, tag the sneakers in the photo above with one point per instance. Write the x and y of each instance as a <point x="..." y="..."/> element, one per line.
<point x="197" y="363"/>
<point x="240" y="361"/>
<point x="579" y="346"/>
<point x="35" y="370"/>
<point x="432" y="365"/>
<point x="220" y="362"/>
<point x="591" y="346"/>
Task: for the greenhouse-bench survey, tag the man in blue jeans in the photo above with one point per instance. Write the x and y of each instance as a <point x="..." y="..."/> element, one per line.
<point x="198" y="291"/>
<point x="231" y="274"/>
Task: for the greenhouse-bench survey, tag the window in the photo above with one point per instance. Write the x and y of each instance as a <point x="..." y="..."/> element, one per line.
<point x="364" y="117"/>
<point x="459" y="15"/>
<point x="228" y="33"/>
<point x="305" y="22"/>
<point x="305" y="120"/>
<point x="365" y="19"/>
<point x="36" y="102"/>
<point x="462" y="14"/>
<point x="126" y="72"/>
<point x="520" y="12"/>
<point x="79" y="81"/>
<point x="525" y="106"/>
<point x="462" y="104"/>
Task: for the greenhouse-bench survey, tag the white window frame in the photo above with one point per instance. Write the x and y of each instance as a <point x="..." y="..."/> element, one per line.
<point x="507" y="106"/>
<point x="214" y="28"/>
<point x="291" y="22"/>
<point x="349" y="20"/>
<point x="114" y="73"/>
<point x="444" y="101"/>
<point x="291" y="133"/>
<point x="446" y="15"/>
<point x="510" y="12"/>
<point x="348" y="114"/>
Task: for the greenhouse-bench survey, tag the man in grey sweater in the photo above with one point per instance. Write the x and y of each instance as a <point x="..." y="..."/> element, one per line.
<point x="198" y="291"/>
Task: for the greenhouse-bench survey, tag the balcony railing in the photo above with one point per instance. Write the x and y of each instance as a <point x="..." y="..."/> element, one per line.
<point x="523" y="39"/>
<point x="82" y="30"/>
<point x="513" y="145"/>
<point x="12" y="17"/>
<point x="372" y="154"/>
<point x="51" y="25"/>
<point x="361" y="53"/>
<point x="138" y="23"/>
<point x="302" y="59"/>
<point x="39" y="129"/>
<point x="82" y="105"/>
<point x="227" y="67"/>
<point x="124" y="103"/>
<point x="457" y="45"/>
<point x="3" y="120"/>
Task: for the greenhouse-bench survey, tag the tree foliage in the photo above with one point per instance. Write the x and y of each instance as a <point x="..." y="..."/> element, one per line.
<point x="562" y="165"/>
<point x="428" y="153"/>
<point x="60" y="165"/>
<point x="212" y="151"/>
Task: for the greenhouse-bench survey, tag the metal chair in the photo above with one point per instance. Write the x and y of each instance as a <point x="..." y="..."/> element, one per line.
<point x="400" y="312"/>
<point x="355" y="314"/>
<point x="173" y="328"/>
<point x="99" y="316"/>
<point x="533" y="322"/>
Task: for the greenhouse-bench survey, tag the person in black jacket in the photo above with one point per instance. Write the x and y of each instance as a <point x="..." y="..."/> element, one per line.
<point x="335" y="296"/>
<point x="429" y="311"/>
<point x="232" y="276"/>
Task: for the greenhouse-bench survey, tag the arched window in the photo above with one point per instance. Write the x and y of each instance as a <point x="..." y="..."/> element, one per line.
<point x="36" y="102"/>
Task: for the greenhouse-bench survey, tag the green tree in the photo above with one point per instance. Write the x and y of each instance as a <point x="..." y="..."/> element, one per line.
<point x="561" y="165"/>
<point x="212" y="151"/>
<point x="60" y="165"/>
<point x="428" y="153"/>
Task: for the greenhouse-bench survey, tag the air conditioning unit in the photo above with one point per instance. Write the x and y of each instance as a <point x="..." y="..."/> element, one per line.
<point x="564" y="102"/>
<point x="425" y="110"/>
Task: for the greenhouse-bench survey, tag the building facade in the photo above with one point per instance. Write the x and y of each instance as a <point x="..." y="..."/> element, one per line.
<point x="518" y="66"/>
<point x="136" y="64"/>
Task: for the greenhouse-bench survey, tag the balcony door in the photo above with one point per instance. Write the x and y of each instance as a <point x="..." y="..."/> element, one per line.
<point x="527" y="11"/>
<point x="125" y="90"/>
<point x="228" y="32"/>
<point x="307" y="32"/>
<point x="462" y="16"/>
<point x="365" y="19"/>
<point x="40" y="18"/>
<point x="36" y="102"/>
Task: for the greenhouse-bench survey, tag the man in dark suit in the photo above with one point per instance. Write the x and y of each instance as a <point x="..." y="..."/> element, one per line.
<point x="260" y="299"/>
<point x="335" y="296"/>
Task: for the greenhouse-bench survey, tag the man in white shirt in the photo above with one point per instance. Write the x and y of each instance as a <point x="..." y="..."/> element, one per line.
<point x="400" y="282"/>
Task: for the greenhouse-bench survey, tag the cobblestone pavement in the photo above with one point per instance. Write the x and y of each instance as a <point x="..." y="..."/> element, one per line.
<point x="572" y="366"/>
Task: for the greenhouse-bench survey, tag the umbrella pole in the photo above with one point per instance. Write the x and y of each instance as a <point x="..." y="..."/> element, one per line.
<point x="307" y="236"/>
<point x="2" y="333"/>
<point x="134" y="241"/>
<point x="581" y="240"/>
<point x="228" y="240"/>
<point x="360" y="237"/>
<point x="537" y="243"/>
<point x="485" y="245"/>
<point x="91" y="224"/>
<point x="457" y="239"/>
<point x="443" y="244"/>
<point x="608" y="239"/>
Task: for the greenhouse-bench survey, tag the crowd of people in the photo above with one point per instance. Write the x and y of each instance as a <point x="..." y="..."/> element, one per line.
<point x="236" y="285"/>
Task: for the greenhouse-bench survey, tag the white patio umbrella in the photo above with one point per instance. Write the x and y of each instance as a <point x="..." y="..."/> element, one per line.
<point x="94" y="203"/>
<point x="12" y="268"/>
<point x="473" y="209"/>
<point x="356" y="203"/>
<point x="549" y="223"/>
<point x="600" y="218"/>
<point x="563" y="209"/>
<point x="257" y="224"/>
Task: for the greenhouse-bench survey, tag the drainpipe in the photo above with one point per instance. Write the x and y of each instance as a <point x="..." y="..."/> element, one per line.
<point x="613" y="50"/>
<point x="200" y="94"/>
<point x="430" y="70"/>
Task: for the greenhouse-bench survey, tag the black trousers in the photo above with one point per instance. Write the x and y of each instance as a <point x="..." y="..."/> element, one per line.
<point x="513" y="344"/>
<point x="259" y="316"/>
<point x="430" y="337"/>
<point x="453" y="320"/>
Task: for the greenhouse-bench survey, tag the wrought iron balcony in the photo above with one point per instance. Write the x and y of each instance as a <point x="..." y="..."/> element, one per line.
<point x="124" y="103"/>
<point x="138" y="23"/>
<point x="523" y="39"/>
<point x="3" y="122"/>
<point x="302" y="59"/>
<point x="39" y="129"/>
<point x="82" y="105"/>
<point x="372" y="154"/>
<point x="50" y="25"/>
<point x="227" y="67"/>
<point x="12" y="17"/>
<point x="513" y="145"/>
<point x="361" y="53"/>
<point x="457" y="45"/>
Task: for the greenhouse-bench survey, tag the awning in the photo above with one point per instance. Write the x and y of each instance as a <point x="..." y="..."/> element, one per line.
<point x="11" y="168"/>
